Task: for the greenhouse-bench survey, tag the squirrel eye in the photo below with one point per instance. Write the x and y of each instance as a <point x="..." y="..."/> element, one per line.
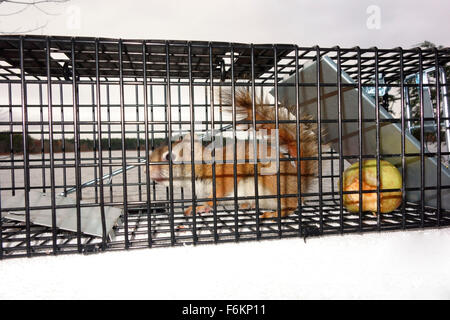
<point x="167" y="156"/>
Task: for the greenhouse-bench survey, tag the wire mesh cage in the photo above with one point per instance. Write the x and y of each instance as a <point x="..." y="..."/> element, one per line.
<point x="91" y="127"/>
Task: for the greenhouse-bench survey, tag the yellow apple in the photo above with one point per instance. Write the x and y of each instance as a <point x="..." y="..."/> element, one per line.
<point x="390" y="178"/>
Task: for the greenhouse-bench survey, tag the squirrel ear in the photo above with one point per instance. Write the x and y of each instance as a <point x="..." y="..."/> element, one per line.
<point x="196" y="138"/>
<point x="177" y="151"/>
<point x="186" y="143"/>
<point x="186" y="137"/>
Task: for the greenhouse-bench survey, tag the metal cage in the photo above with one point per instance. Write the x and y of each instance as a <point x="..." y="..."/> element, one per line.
<point x="81" y="116"/>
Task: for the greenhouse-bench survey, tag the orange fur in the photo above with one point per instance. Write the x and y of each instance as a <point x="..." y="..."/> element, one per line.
<point x="245" y="170"/>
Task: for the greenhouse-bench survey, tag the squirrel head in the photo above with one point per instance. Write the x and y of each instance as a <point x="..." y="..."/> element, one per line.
<point x="180" y="156"/>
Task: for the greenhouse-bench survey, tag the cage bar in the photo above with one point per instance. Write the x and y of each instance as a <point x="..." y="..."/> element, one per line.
<point x="80" y="119"/>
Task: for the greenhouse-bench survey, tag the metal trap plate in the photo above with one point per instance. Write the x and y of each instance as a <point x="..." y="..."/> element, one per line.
<point x="390" y="133"/>
<point x="66" y="218"/>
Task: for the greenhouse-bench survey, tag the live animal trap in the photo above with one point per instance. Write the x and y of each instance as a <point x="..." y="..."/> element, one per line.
<point x="81" y="118"/>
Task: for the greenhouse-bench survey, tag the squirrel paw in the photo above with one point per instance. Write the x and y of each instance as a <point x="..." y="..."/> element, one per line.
<point x="270" y="214"/>
<point x="198" y="210"/>
<point x="274" y="214"/>
<point x="245" y="206"/>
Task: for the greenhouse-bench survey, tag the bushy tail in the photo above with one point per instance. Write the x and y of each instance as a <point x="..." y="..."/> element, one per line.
<point x="287" y="131"/>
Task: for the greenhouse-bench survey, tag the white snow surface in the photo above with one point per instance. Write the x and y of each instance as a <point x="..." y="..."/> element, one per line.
<point x="411" y="264"/>
<point x="388" y="265"/>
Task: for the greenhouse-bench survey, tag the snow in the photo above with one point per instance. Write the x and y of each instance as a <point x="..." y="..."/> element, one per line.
<point x="402" y="264"/>
<point x="388" y="265"/>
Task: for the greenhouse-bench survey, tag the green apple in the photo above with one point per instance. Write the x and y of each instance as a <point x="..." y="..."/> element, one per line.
<point x="390" y="178"/>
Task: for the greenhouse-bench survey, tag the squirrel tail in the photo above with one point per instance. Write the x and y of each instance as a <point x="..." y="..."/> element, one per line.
<point x="308" y="141"/>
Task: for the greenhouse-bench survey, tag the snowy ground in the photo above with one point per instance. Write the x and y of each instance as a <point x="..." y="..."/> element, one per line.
<point x="413" y="264"/>
<point x="402" y="264"/>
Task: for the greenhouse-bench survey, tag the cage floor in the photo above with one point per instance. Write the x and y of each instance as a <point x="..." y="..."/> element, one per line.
<point x="144" y="229"/>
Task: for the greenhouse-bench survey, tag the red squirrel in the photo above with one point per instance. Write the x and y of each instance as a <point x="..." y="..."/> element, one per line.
<point x="224" y="157"/>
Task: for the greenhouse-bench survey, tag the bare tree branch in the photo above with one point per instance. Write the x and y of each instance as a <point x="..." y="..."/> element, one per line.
<point x="13" y="13"/>
<point x="35" y="2"/>
<point x="46" y="12"/>
<point x="27" y="30"/>
<point x="29" y="4"/>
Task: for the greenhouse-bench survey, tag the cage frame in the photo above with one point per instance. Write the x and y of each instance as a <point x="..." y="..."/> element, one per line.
<point x="190" y="63"/>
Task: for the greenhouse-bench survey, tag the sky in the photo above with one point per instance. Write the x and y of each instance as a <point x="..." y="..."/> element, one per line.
<point x="326" y="23"/>
<point x="385" y="24"/>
